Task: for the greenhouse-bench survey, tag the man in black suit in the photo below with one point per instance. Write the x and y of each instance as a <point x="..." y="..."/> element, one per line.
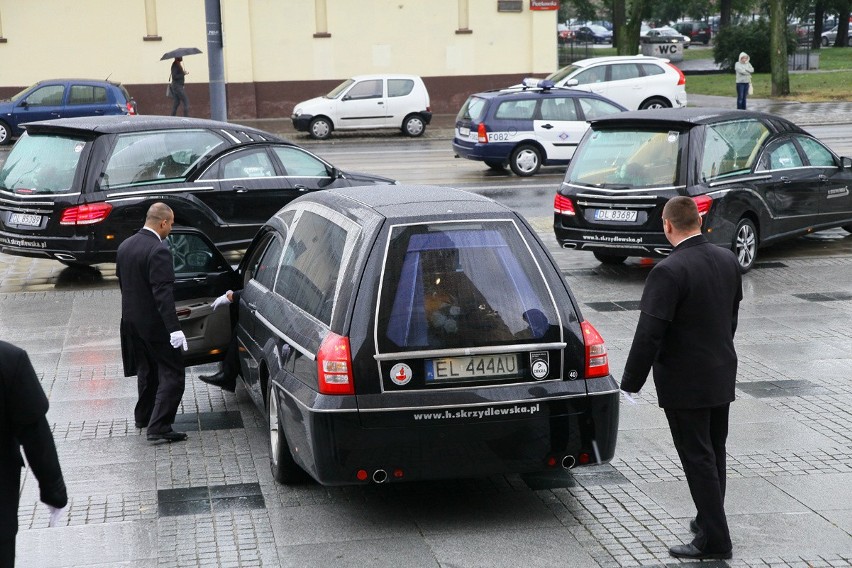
<point x="23" y="423"/>
<point x="150" y="325"/>
<point x="686" y="332"/>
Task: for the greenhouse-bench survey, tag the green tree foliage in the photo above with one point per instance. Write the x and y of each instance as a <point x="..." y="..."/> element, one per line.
<point x="754" y="39"/>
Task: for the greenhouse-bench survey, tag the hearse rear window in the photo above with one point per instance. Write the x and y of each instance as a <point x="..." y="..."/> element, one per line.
<point x="43" y="164"/>
<point x="453" y="285"/>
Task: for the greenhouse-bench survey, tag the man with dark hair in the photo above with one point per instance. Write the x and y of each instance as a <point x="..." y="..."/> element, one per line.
<point x="23" y="423"/>
<point x="150" y="325"/>
<point x="686" y="332"/>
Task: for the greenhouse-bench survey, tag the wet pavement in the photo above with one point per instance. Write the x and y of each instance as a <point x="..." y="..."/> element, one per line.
<point x="211" y="501"/>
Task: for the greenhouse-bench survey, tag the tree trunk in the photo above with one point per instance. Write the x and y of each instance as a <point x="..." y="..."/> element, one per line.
<point x="724" y="13"/>
<point x="628" y="39"/>
<point x="618" y="18"/>
<point x="819" y="16"/>
<point x="778" y="48"/>
<point x="843" y="25"/>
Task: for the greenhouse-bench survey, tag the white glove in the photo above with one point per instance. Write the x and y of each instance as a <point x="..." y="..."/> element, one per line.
<point x="178" y="340"/>
<point x="222" y="300"/>
<point x="629" y="398"/>
<point x="54" y="515"/>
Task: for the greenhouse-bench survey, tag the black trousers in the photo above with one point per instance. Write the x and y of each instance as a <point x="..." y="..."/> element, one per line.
<point x="179" y="97"/>
<point x="699" y="436"/>
<point x="9" y="499"/>
<point x="161" y="380"/>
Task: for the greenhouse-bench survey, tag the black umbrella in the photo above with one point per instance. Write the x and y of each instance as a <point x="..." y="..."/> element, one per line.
<point x="180" y="52"/>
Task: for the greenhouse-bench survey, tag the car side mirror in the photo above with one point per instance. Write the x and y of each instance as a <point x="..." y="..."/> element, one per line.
<point x="346" y="98"/>
<point x="25" y="104"/>
<point x="572" y="83"/>
<point x="846" y="163"/>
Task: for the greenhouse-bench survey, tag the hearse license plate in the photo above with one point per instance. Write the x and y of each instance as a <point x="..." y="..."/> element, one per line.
<point x="471" y="368"/>
<point x="24" y="219"/>
<point x="623" y="215"/>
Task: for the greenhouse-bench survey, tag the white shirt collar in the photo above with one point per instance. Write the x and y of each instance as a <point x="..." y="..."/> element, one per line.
<point x="153" y="231"/>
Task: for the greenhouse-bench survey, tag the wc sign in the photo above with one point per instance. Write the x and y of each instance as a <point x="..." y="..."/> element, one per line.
<point x="671" y="51"/>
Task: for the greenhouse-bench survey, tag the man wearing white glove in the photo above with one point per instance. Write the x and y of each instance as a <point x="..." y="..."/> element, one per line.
<point x="226" y="377"/>
<point x="150" y="331"/>
<point x="23" y="424"/>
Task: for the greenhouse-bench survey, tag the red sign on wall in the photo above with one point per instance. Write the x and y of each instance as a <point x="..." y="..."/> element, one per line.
<point x="544" y="4"/>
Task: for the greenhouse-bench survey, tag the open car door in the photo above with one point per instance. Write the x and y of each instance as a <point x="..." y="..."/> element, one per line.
<point x="201" y="275"/>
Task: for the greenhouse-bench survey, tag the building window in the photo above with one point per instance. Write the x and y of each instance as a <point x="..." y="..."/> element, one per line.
<point x="464" y="17"/>
<point x="321" y="19"/>
<point x="151" y="21"/>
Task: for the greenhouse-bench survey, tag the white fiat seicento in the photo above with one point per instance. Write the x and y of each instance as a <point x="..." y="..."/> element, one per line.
<point x="367" y="102"/>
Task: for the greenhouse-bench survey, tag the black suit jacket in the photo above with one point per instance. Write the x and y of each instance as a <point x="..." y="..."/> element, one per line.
<point x="146" y="277"/>
<point x="686" y="327"/>
<point x="23" y="407"/>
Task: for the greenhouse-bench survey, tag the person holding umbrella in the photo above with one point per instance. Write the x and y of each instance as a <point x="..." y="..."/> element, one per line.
<point x="176" y="78"/>
<point x="177" y="82"/>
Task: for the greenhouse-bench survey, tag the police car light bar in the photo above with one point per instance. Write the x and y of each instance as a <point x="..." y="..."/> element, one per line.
<point x="532" y="83"/>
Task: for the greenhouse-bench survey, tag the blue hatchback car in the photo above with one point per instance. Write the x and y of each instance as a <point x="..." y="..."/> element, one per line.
<point x="62" y="98"/>
<point x="527" y="127"/>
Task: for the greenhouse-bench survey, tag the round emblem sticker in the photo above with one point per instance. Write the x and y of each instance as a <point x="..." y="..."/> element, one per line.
<point x="400" y="374"/>
<point x="539" y="369"/>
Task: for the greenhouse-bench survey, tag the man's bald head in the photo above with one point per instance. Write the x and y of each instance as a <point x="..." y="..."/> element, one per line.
<point x="680" y="219"/>
<point x="682" y="212"/>
<point x="160" y="218"/>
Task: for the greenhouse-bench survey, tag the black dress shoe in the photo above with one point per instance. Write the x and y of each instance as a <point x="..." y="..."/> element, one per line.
<point x="695" y="553"/>
<point x="693" y="526"/>
<point x="168" y="437"/>
<point x="221" y="381"/>
<point x="141" y="424"/>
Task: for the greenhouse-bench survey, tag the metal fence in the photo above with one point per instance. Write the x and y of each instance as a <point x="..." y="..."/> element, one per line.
<point x="571" y="51"/>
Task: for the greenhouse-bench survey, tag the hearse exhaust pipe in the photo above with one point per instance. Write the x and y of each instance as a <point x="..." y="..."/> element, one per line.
<point x="568" y="462"/>
<point x="380" y="476"/>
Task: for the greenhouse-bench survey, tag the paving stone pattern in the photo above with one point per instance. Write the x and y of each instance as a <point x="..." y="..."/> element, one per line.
<point x="212" y="502"/>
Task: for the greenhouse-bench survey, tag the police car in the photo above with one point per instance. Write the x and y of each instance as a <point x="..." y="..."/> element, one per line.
<point x="527" y="127"/>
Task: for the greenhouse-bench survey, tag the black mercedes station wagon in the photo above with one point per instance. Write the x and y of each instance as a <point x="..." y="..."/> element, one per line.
<point x="73" y="189"/>
<point x="397" y="333"/>
<point x="756" y="178"/>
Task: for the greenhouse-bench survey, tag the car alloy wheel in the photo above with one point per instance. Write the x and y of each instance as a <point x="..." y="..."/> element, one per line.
<point x="5" y="133"/>
<point x="745" y="244"/>
<point x="655" y="102"/>
<point x="320" y="128"/>
<point x="284" y="468"/>
<point x="413" y="126"/>
<point x="525" y="160"/>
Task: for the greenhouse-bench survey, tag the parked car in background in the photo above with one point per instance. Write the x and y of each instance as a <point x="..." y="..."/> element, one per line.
<point x="593" y="34"/>
<point x="698" y="32"/>
<point x="62" y="98"/>
<point x="526" y="128"/>
<point x="633" y="81"/>
<point x="393" y="334"/>
<point x="73" y="189"/>
<point x="665" y="35"/>
<point x="756" y="178"/>
<point x="367" y="102"/>
<point x="829" y="37"/>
